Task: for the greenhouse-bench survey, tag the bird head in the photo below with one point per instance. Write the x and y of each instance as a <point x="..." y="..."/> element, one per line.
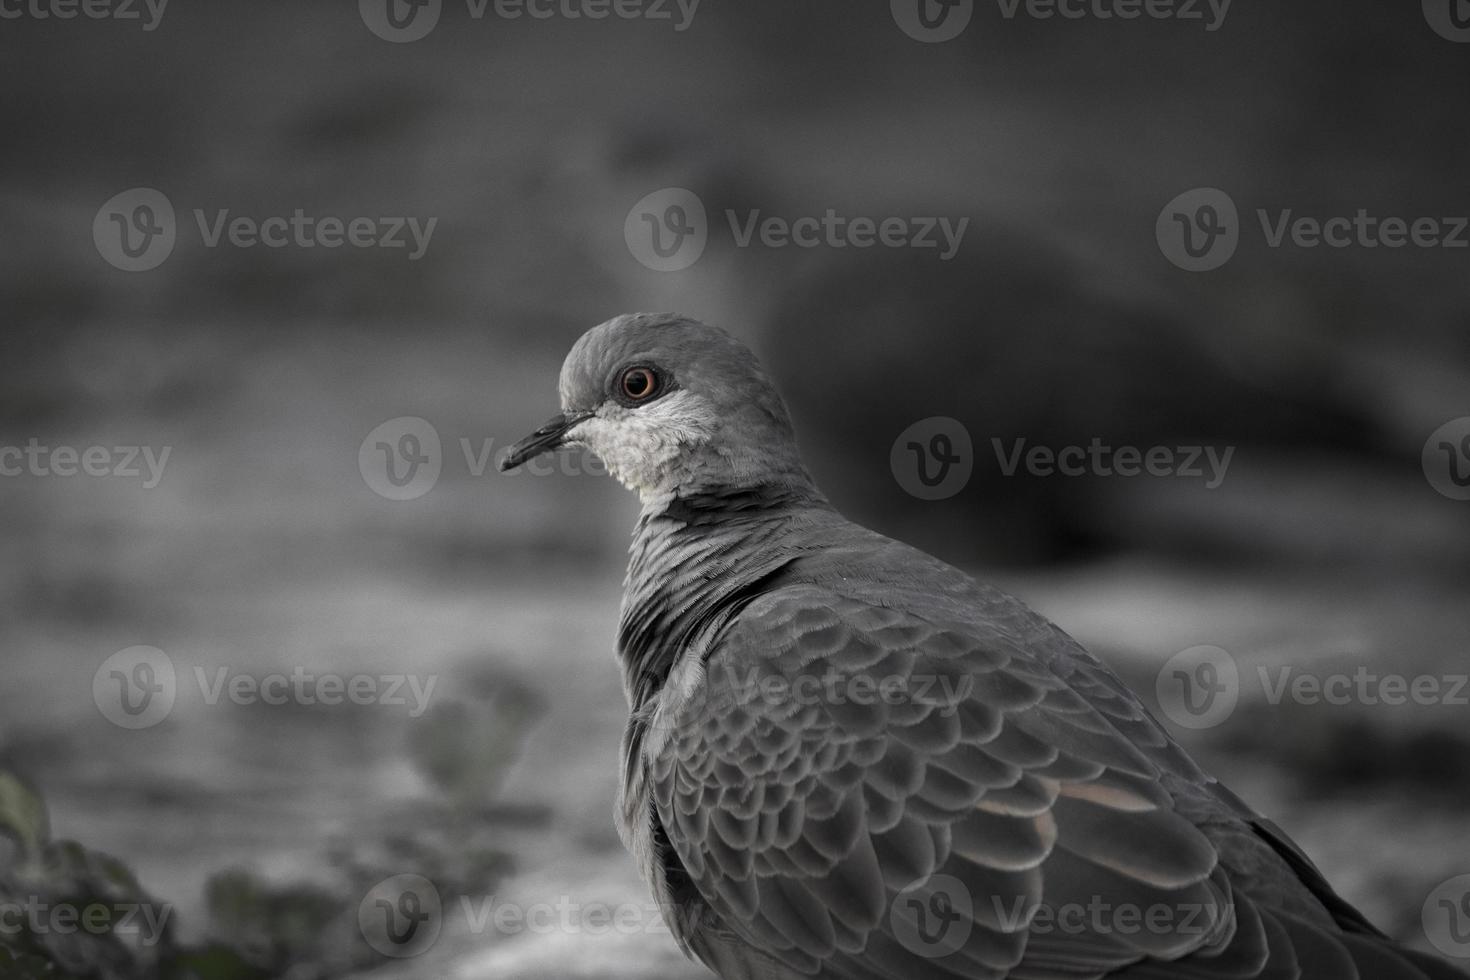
<point x="672" y="407"/>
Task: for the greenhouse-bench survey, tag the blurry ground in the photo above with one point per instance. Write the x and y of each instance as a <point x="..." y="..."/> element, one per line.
<point x="263" y="549"/>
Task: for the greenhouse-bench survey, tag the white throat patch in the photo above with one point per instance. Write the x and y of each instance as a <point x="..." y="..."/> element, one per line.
<point x="645" y="448"/>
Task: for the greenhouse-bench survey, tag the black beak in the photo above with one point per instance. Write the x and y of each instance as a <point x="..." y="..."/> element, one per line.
<point x="543" y="440"/>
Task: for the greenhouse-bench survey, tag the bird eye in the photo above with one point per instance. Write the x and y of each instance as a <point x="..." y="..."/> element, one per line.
<point x="639" y="383"/>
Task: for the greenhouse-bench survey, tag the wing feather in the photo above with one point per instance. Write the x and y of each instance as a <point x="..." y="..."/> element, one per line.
<point x="835" y="833"/>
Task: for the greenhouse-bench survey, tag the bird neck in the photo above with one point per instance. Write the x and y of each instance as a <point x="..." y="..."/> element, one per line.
<point x="696" y="559"/>
<point x="693" y="558"/>
<point x="734" y="475"/>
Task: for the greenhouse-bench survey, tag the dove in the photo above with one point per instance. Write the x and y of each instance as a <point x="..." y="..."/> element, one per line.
<point x="846" y="759"/>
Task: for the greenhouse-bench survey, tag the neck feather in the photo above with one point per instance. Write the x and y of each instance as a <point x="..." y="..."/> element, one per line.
<point x="693" y="558"/>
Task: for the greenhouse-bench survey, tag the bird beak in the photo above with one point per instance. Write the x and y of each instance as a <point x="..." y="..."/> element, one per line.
<point x="543" y="440"/>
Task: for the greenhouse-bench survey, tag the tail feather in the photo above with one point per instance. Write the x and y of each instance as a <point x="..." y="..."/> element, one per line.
<point x="1285" y="947"/>
<point x="1432" y="967"/>
<point x="1376" y="958"/>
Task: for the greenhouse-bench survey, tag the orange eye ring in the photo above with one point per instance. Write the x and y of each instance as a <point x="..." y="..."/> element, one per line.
<point x="638" y="384"/>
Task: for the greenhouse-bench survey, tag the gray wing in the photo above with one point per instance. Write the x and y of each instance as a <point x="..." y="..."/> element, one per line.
<point x="999" y="806"/>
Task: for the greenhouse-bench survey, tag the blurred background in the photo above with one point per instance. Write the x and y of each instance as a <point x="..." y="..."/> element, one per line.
<point x="272" y="540"/>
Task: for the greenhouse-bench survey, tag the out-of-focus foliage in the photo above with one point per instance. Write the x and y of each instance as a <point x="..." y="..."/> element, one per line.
<point x="258" y="928"/>
<point x="71" y="912"/>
